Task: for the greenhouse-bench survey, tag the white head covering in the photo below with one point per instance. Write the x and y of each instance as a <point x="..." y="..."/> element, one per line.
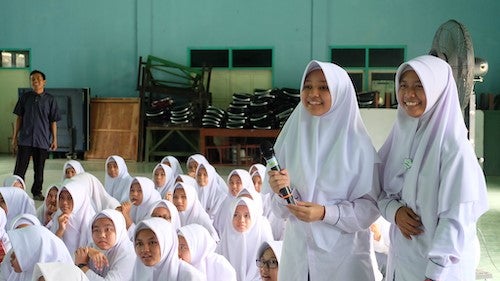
<point x="118" y="187"/>
<point x="194" y="212"/>
<point x="186" y="179"/>
<point x="174" y="164"/>
<point x="170" y="267"/>
<point x="241" y="248"/>
<point x="4" y="238"/>
<point x="422" y="143"/>
<point x="72" y="164"/>
<point x="52" y="271"/>
<point x="258" y="168"/>
<point x="76" y="234"/>
<point x="122" y="253"/>
<point x="11" y="179"/>
<point x="332" y="148"/>
<point x="175" y="220"/>
<point x="34" y="244"/>
<point x="213" y="194"/>
<point x="100" y="199"/>
<point x="274" y="245"/>
<point x="203" y="257"/>
<point x="149" y="197"/>
<point x="18" y="202"/>
<point x="169" y="179"/>
<point x="24" y="219"/>
<point x="198" y="158"/>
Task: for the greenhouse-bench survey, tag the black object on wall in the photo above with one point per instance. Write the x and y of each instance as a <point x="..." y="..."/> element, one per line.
<point x="73" y="129"/>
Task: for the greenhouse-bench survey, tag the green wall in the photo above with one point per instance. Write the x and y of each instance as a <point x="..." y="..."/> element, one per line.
<point x="96" y="43"/>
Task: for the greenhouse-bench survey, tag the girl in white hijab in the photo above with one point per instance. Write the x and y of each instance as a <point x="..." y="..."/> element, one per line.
<point x="4" y="238"/>
<point x="100" y="199"/>
<point x="52" y="271"/>
<point x="72" y="168"/>
<point x="167" y="210"/>
<point x="142" y="196"/>
<point x="192" y="163"/>
<point x="72" y="220"/>
<point x="117" y="179"/>
<point x="156" y="247"/>
<point x="331" y="166"/>
<point x="190" y="210"/>
<point x="197" y="247"/>
<point x="268" y="258"/>
<point x="434" y="188"/>
<point x="46" y="210"/>
<point x="245" y="229"/>
<point x="238" y="181"/>
<point x="173" y="163"/>
<point x="31" y="245"/>
<point x="211" y="190"/>
<point x="14" y="181"/>
<point x="164" y="179"/>
<point x="111" y="254"/>
<point x="15" y="201"/>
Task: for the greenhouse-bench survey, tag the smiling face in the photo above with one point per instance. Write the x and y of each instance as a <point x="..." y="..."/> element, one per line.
<point x="241" y="218"/>
<point x="315" y="95"/>
<point x="269" y="270"/>
<point x="147" y="247"/>
<point x="65" y="202"/>
<point x="235" y="184"/>
<point x="411" y="94"/>
<point x="104" y="233"/>
<point x="51" y="200"/>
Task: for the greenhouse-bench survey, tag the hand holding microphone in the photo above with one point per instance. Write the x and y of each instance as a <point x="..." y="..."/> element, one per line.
<point x="267" y="152"/>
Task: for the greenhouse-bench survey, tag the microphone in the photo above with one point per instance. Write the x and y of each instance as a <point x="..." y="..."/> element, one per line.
<point x="267" y="151"/>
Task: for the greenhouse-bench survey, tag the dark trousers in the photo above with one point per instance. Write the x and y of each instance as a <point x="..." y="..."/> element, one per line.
<point x="22" y="161"/>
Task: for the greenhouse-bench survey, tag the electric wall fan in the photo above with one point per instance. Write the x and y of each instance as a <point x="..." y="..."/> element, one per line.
<point x="452" y="43"/>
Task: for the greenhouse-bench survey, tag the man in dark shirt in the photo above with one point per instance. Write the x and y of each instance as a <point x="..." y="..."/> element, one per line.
<point x="35" y="131"/>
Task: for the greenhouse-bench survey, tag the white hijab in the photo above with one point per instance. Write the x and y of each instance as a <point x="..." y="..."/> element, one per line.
<point x="240" y="248"/>
<point x="10" y="180"/>
<point x="422" y="143"/>
<point x="18" y="202"/>
<point x="175" y="220"/>
<point x="198" y="158"/>
<point x="3" y="233"/>
<point x="76" y="234"/>
<point x="72" y="164"/>
<point x="186" y="179"/>
<point x="174" y="164"/>
<point x="203" y="257"/>
<point x="149" y="197"/>
<point x="122" y="253"/>
<point x="100" y="199"/>
<point x="329" y="158"/>
<point x="117" y="187"/>
<point x="34" y="244"/>
<point x="52" y="271"/>
<point x="170" y="267"/>
<point x="24" y="219"/>
<point x="194" y="212"/>
<point x="274" y="245"/>
<point x="213" y="194"/>
<point x="169" y="179"/>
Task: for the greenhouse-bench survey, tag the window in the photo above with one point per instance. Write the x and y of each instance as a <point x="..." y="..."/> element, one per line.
<point x="15" y="58"/>
<point x="368" y="66"/>
<point x="232" y="58"/>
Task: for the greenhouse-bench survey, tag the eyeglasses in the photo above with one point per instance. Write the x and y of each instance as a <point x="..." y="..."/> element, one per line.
<point x="272" y="263"/>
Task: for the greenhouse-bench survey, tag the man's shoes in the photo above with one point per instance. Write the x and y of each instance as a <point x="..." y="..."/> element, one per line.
<point x="38" y="197"/>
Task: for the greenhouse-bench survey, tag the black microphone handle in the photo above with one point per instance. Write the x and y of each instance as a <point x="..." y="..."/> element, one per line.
<point x="285" y="192"/>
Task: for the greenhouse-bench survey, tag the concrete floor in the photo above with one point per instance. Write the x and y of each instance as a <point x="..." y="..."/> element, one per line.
<point x="488" y="226"/>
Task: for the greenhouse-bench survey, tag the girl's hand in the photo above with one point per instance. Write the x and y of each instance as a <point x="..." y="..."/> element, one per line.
<point x="307" y="211"/>
<point x="278" y="180"/>
<point x="408" y="222"/>
<point x="99" y="260"/>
